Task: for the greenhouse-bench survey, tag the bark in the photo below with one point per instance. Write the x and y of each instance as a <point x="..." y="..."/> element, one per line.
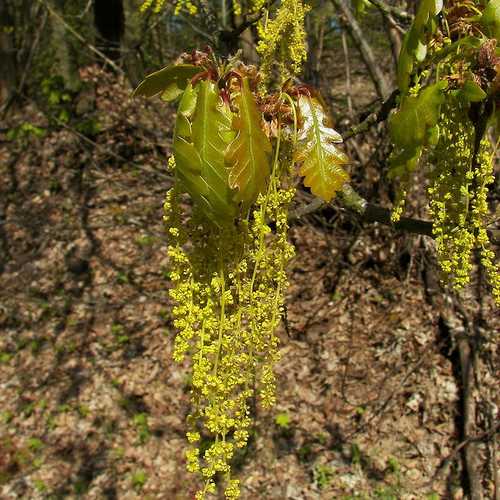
<point x="240" y="35"/>
<point x="65" y="62"/>
<point x="316" y="44"/>
<point x="109" y="19"/>
<point x="468" y="360"/>
<point x="394" y="37"/>
<point x="248" y="46"/>
<point x="356" y="33"/>
<point x="347" y="74"/>
<point x="368" y="212"/>
<point x="7" y="55"/>
<point x="132" y="40"/>
<point x="393" y="11"/>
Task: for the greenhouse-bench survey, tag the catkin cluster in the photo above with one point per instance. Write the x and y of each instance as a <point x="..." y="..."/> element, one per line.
<point x="458" y="192"/>
<point x="282" y="40"/>
<point x="180" y="5"/>
<point x="228" y="286"/>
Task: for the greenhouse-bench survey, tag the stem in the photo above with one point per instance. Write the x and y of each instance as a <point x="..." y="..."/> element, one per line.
<point x="222" y="316"/>
<point x="263" y="208"/>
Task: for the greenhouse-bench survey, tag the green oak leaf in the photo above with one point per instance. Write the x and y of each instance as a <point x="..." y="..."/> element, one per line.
<point x="471" y="92"/>
<point x="414" y="47"/>
<point x="414" y="125"/>
<point x="169" y="81"/>
<point x="200" y="140"/>
<point x="247" y="157"/>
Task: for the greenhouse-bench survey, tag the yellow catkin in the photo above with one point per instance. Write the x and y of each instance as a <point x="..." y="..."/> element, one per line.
<point x="228" y="286"/>
<point x="282" y="40"/>
<point x="458" y="198"/>
<point x="179" y="6"/>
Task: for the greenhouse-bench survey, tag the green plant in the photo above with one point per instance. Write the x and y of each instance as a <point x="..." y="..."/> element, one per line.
<point x="323" y="475"/>
<point x="393" y="465"/>
<point x="57" y="99"/>
<point x="139" y="479"/>
<point x="356" y="456"/>
<point x="145" y="240"/>
<point x="122" y="278"/>
<point x="5" y="357"/>
<point x="83" y="410"/>
<point x="6" y="416"/>
<point x="25" y="131"/>
<point x="64" y="408"/>
<point x="118" y="452"/>
<point x="448" y="82"/>
<point x="282" y="420"/>
<point x="229" y="281"/>
<point x="141" y="423"/>
<point x="81" y="486"/>
<point x="35" y="444"/>
<point x="39" y="485"/>
<point x="28" y="408"/>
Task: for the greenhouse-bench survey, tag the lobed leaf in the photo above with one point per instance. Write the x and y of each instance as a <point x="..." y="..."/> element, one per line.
<point x="414" y="125"/>
<point x="200" y="140"/>
<point x="170" y="81"/>
<point x="321" y="160"/>
<point x="247" y="156"/>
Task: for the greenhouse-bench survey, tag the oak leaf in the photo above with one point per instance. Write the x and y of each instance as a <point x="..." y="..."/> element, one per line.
<point x="321" y="160"/>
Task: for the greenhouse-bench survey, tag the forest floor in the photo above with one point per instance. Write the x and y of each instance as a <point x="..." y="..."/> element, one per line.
<point x="92" y="405"/>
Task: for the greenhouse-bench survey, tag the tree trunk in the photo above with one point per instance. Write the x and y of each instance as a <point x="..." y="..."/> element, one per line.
<point x="247" y="42"/>
<point x="65" y="61"/>
<point x="132" y="39"/>
<point x="109" y="19"/>
<point x="315" y="50"/>
<point x="7" y="55"/>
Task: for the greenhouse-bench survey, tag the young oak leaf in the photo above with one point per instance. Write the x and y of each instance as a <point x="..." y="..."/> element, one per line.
<point x="414" y="47"/>
<point x="170" y="81"/>
<point x="418" y="114"/>
<point x="321" y="160"/>
<point x="200" y="139"/>
<point x="247" y="157"/>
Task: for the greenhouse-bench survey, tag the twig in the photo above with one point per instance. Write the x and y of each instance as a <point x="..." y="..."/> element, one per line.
<point x="112" y="153"/>
<point x="391" y="10"/>
<point x="368" y="212"/>
<point x="228" y="35"/>
<point x="347" y="73"/>
<point x="197" y="29"/>
<point x="373" y="118"/>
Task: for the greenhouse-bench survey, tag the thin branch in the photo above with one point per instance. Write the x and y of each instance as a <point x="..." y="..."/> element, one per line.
<point x="197" y="29"/>
<point x="228" y="35"/>
<point x="368" y="212"/>
<point x="391" y="10"/>
<point x="373" y="118"/>
<point x="347" y="73"/>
